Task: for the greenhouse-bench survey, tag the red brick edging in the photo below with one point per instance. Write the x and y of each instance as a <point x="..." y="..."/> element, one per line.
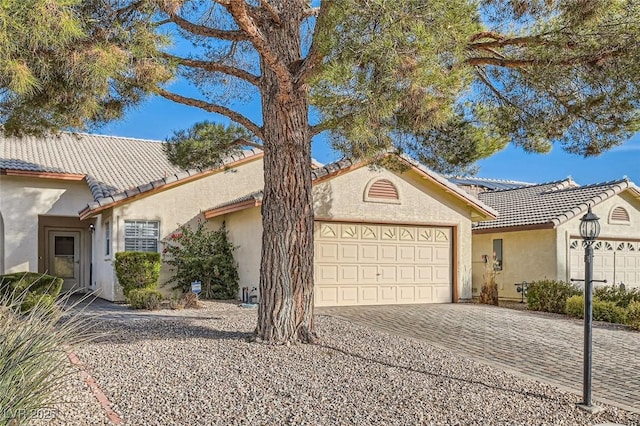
<point x="95" y="389"/>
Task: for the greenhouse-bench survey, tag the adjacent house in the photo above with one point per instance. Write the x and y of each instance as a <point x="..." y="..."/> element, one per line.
<point x="536" y="234"/>
<point x="68" y="203"/>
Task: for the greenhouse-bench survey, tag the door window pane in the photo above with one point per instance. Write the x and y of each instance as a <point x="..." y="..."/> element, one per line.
<point x="63" y="246"/>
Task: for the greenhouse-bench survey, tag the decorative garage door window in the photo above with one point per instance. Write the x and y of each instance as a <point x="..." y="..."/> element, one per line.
<point x="615" y="261"/>
<point x="365" y="264"/>
<point x="381" y="191"/>
<point x="141" y="235"/>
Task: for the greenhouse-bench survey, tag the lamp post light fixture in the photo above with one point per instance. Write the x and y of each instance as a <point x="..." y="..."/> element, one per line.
<point x="589" y="231"/>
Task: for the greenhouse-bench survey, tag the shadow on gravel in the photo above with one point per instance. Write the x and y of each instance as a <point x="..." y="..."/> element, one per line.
<point x="432" y="374"/>
<point x="119" y="332"/>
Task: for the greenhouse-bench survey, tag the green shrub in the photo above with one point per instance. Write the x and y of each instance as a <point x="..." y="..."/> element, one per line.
<point x="144" y="298"/>
<point x="33" y="360"/>
<point x="609" y="312"/>
<point x="35" y="288"/>
<point x="575" y="306"/>
<point x="602" y="310"/>
<point x="550" y="295"/>
<point x="205" y="256"/>
<point x="633" y="315"/>
<point x="136" y="270"/>
<point x="617" y="294"/>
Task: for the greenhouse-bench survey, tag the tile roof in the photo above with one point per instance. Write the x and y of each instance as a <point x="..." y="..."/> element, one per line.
<point x="548" y="204"/>
<point x="492" y="184"/>
<point x="111" y="164"/>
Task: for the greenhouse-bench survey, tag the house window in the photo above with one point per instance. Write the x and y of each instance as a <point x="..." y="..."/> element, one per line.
<point x="107" y="238"/>
<point x="497" y="255"/>
<point x="141" y="235"/>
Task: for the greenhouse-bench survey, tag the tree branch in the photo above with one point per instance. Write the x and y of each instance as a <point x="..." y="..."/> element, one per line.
<point x="238" y="9"/>
<point x="272" y="12"/>
<point x="218" y="109"/>
<point x="215" y="67"/>
<point x="314" y="57"/>
<point x="204" y="31"/>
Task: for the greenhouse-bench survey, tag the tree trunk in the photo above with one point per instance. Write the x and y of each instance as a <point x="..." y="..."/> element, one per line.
<point x="285" y="313"/>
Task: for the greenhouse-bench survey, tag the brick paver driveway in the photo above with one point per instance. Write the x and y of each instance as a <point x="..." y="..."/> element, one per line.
<point x="546" y="347"/>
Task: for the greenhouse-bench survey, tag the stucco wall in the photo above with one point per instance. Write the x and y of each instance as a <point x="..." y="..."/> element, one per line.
<point x="22" y="200"/>
<point x="245" y="232"/>
<point x="176" y="206"/>
<point x="527" y="256"/>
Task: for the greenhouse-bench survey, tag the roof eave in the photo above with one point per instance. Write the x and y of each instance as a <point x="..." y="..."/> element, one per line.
<point x="43" y="175"/>
<point x="502" y="229"/>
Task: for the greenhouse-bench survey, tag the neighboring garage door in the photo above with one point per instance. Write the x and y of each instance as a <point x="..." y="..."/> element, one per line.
<point x="368" y="264"/>
<point x="616" y="261"/>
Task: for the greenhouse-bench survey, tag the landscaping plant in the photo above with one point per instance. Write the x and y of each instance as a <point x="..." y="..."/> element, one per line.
<point x="550" y="295"/>
<point x="35" y="288"/>
<point x="633" y="315"/>
<point x="602" y="310"/>
<point x="489" y="291"/>
<point x="206" y="256"/>
<point x="617" y="294"/>
<point x="137" y="270"/>
<point x="144" y="298"/>
<point x="33" y="355"/>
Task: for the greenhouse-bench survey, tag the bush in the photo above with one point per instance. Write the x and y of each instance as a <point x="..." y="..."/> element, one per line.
<point x="575" y="306"/>
<point x="617" y="294"/>
<point x="144" y="298"/>
<point x="550" y="295"/>
<point x="633" y="315"/>
<point x="602" y="310"/>
<point x="205" y="256"/>
<point x="34" y="287"/>
<point x="33" y="360"/>
<point x="137" y="270"/>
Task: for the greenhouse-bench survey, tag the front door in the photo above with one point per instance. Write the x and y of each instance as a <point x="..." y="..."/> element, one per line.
<point x="64" y="257"/>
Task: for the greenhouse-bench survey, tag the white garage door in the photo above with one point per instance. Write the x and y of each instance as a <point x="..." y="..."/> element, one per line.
<point x="367" y="264"/>
<point x="616" y="261"/>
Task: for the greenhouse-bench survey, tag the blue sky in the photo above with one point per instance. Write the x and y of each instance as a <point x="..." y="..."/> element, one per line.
<point x="158" y="118"/>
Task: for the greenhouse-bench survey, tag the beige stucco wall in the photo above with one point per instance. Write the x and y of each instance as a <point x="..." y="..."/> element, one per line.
<point x="176" y="206"/>
<point x="245" y="232"/>
<point x="22" y="200"/>
<point x="526" y="256"/>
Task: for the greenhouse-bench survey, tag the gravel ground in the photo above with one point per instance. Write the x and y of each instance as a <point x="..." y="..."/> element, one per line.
<point x="198" y="369"/>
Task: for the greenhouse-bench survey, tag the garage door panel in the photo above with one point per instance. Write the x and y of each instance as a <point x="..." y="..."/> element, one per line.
<point x="368" y="253"/>
<point x="349" y="274"/>
<point x="406" y="294"/>
<point x="406" y="254"/>
<point x="406" y="274"/>
<point x="327" y="252"/>
<point x="327" y="274"/>
<point x="387" y="253"/>
<point x="387" y="294"/>
<point x="368" y="295"/>
<point x="424" y="254"/>
<point x="366" y="264"/>
<point x="424" y="274"/>
<point x="348" y="295"/>
<point x="348" y="252"/>
<point x="368" y="273"/>
<point x="387" y="273"/>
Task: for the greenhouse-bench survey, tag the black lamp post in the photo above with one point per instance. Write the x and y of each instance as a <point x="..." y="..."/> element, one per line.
<point x="589" y="231"/>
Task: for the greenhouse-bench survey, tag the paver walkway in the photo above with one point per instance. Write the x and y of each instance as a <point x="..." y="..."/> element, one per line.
<point x="546" y="347"/>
